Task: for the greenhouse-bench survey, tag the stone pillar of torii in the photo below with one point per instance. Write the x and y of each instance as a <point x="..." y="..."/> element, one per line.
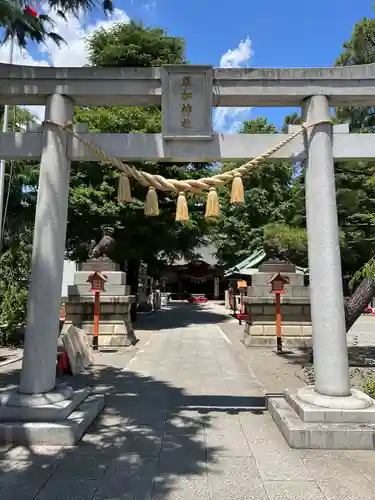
<point x="331" y="401"/>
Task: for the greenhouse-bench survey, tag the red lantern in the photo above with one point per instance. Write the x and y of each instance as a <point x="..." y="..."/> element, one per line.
<point x="97" y="281"/>
<point x="277" y="283"/>
<point x="29" y="10"/>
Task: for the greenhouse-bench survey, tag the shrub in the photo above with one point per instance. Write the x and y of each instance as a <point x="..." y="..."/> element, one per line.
<point x="14" y="284"/>
<point x="369" y="388"/>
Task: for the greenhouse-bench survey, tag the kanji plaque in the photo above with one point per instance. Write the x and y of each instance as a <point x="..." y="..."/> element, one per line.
<point x="187" y="102"/>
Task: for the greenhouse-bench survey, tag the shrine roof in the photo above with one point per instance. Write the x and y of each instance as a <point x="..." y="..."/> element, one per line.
<point x="248" y="266"/>
<point x="205" y="253"/>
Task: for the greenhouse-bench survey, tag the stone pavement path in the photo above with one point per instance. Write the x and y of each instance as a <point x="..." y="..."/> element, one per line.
<point x="184" y="420"/>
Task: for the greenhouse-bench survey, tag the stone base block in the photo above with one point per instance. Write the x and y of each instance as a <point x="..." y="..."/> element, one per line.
<point x="101" y="265"/>
<point x="42" y="413"/>
<point x="261" y="332"/>
<point x="114" y="340"/>
<point x="66" y="432"/>
<point x="267" y="341"/>
<point x="111" y="334"/>
<point x="113" y="277"/>
<point x="114" y="333"/>
<point x="115" y="327"/>
<point x="309" y="413"/>
<point x="109" y="291"/>
<point x="307" y="400"/>
<point x="324" y="435"/>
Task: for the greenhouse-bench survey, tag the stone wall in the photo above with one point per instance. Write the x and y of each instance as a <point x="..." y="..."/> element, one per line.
<point x="261" y="288"/>
<point x="260" y="306"/>
<point x="115" y="327"/>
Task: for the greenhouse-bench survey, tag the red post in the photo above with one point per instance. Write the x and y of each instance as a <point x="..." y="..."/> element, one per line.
<point x="95" y="338"/>
<point x="277" y="287"/>
<point x="97" y="281"/>
<point x="239" y="316"/>
<point x="278" y="322"/>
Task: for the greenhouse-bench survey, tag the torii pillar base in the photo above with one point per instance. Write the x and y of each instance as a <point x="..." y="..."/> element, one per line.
<point x="57" y="418"/>
<point x="342" y="424"/>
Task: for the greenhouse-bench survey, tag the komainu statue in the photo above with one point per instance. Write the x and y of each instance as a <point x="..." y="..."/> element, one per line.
<point x="104" y="248"/>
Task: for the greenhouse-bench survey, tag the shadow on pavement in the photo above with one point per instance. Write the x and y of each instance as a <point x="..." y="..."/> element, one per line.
<point x="148" y="439"/>
<point x="179" y="315"/>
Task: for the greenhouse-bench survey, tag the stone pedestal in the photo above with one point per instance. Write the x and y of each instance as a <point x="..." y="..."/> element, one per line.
<point x="260" y="305"/>
<point x="260" y="327"/>
<point x="115" y="327"/>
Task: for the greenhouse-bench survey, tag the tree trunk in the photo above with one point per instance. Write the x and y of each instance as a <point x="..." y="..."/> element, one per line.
<point x="132" y="277"/>
<point x="356" y="304"/>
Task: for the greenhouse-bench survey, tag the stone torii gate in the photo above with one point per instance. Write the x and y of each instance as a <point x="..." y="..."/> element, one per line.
<point x="328" y="415"/>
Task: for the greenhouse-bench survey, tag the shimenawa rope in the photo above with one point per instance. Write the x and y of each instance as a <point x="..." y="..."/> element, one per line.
<point x="158" y="182"/>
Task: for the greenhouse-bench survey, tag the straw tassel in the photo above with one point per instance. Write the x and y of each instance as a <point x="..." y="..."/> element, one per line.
<point x="151" y="204"/>
<point x="212" y="204"/>
<point x="182" y="210"/>
<point x="237" y="194"/>
<point x="124" y="194"/>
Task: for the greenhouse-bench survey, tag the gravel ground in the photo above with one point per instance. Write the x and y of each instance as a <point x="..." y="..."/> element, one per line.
<point x="294" y="370"/>
<point x="358" y="376"/>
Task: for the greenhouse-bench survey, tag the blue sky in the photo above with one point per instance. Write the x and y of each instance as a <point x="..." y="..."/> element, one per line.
<point x="261" y="33"/>
<point x="282" y="33"/>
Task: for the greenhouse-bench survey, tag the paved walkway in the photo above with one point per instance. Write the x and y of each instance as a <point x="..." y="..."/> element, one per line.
<point x="183" y="421"/>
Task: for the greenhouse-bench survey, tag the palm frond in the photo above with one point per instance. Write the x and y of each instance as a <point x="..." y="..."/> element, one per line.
<point x="57" y="39"/>
<point x="21" y="24"/>
<point x="61" y="14"/>
<point x="76" y="6"/>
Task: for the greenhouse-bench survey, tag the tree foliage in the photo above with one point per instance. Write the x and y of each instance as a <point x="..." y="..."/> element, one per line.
<point x="355" y="179"/>
<point x="267" y="199"/>
<point x="19" y="210"/>
<point x="93" y="205"/>
<point x="360" y="49"/>
<point x="14" y="284"/>
<point x="286" y="242"/>
<point x="134" y="45"/>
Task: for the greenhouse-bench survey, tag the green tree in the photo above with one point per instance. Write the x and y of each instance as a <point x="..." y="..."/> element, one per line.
<point x="93" y="202"/>
<point x="134" y="45"/>
<point x="267" y="197"/>
<point x="356" y="188"/>
<point x="354" y="180"/>
<point x="21" y="180"/>
<point x="14" y="285"/>
<point x="286" y="242"/>
<point x="360" y="49"/>
<point x="19" y="212"/>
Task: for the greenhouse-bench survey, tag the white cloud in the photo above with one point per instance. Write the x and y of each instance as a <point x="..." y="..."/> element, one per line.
<point x="150" y="5"/>
<point x="238" y="57"/>
<point x="230" y="119"/>
<point x="74" y="31"/>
